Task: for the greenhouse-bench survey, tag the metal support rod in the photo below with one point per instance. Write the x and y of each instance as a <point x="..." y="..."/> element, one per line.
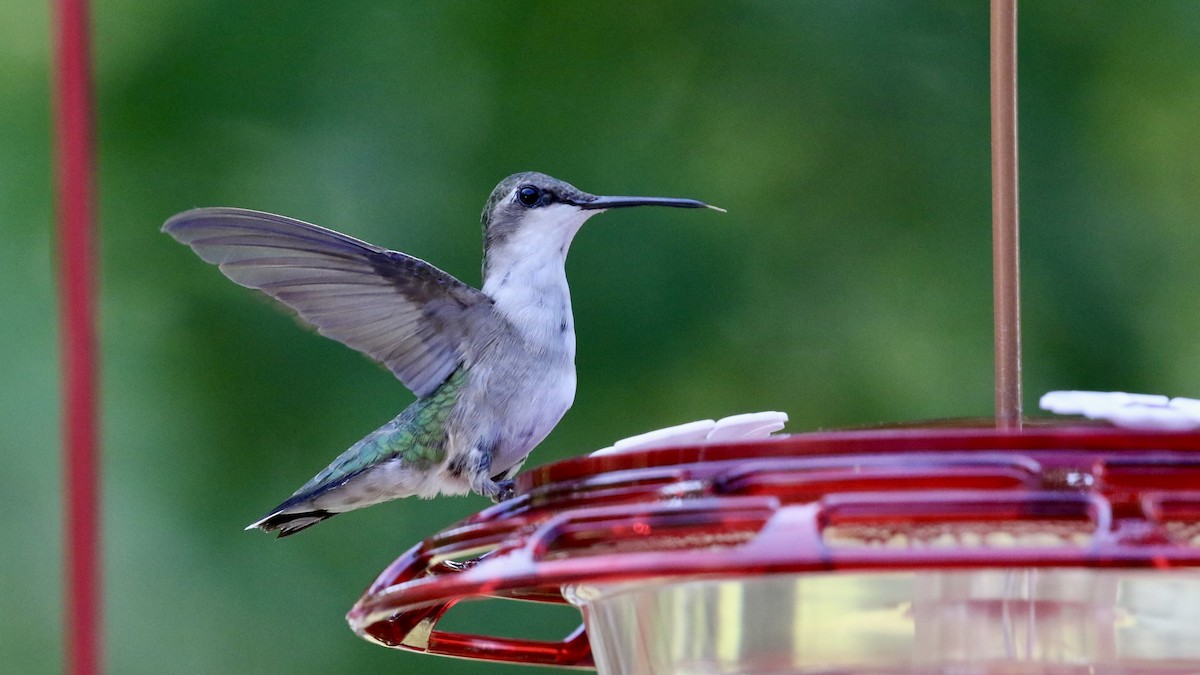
<point x="1006" y="278"/>
<point x="74" y="176"/>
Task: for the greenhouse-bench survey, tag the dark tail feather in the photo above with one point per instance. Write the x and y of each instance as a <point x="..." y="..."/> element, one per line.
<point x="288" y="524"/>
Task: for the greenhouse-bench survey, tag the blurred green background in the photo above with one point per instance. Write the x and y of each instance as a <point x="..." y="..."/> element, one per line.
<point x="848" y="284"/>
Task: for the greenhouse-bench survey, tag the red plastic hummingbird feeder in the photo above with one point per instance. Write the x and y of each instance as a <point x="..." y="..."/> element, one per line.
<point x="1052" y="549"/>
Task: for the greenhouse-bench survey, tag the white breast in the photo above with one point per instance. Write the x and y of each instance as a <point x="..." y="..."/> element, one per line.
<point x="527" y="276"/>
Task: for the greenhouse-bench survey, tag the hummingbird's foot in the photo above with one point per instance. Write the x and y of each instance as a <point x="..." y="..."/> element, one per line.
<point x="505" y="490"/>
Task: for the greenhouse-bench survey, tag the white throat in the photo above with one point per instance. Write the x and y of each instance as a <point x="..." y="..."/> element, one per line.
<point x="526" y="273"/>
<point x="534" y="256"/>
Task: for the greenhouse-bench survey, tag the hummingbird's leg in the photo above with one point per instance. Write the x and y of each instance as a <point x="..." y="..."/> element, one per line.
<point x="497" y="491"/>
<point x="478" y="463"/>
<point x="504" y="491"/>
<point x="506" y="486"/>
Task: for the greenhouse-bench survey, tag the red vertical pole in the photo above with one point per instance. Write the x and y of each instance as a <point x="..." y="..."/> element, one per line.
<point x="74" y="186"/>
<point x="1006" y="278"/>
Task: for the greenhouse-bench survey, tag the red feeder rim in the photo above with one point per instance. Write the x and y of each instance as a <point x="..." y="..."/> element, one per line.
<point x="1057" y="496"/>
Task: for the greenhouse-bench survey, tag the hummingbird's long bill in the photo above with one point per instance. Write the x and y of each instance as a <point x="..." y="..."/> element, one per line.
<point x="600" y="203"/>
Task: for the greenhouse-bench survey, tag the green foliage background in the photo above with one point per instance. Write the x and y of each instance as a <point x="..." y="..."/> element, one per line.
<point x="848" y="284"/>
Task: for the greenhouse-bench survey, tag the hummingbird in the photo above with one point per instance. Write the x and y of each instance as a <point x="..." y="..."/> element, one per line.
<point x="493" y="369"/>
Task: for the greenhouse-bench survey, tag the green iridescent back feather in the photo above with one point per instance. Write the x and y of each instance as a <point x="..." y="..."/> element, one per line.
<point x="417" y="435"/>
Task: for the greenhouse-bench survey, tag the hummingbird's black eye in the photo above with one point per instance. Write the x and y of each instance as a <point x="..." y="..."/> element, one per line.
<point x="529" y="195"/>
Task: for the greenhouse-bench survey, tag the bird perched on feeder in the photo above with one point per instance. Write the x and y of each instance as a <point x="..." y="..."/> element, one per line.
<point x="493" y="369"/>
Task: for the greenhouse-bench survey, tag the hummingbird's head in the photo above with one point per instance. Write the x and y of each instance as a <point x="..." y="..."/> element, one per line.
<point x="534" y="215"/>
<point x="525" y="199"/>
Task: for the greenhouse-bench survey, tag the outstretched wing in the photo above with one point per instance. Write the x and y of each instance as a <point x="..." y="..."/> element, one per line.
<point x="401" y="311"/>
